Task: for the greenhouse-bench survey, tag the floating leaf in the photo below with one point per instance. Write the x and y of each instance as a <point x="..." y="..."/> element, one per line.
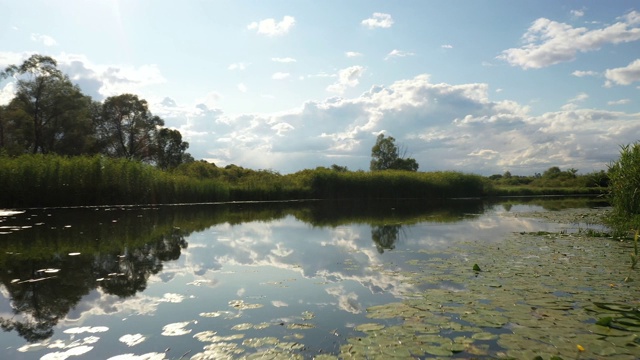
<point x="605" y="321"/>
<point x="369" y="327"/>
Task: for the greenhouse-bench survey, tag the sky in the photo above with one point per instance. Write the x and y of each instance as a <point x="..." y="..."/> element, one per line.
<point x="479" y="86"/>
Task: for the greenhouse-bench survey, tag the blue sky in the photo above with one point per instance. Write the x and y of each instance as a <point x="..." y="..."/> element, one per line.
<point x="474" y="86"/>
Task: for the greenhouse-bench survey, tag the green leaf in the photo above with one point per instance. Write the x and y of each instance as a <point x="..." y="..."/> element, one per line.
<point x="476" y="267"/>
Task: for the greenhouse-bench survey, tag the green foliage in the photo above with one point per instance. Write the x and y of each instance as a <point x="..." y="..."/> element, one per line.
<point x="395" y="184"/>
<point x="554" y="181"/>
<point x="385" y="155"/>
<point x="128" y="128"/>
<point x="624" y="175"/>
<point x="48" y="180"/>
<point x="170" y="150"/>
<point x="50" y="115"/>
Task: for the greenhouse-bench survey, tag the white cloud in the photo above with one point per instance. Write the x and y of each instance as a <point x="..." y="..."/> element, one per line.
<point x="579" y="73"/>
<point x="321" y="75"/>
<point x="242" y="87"/>
<point x="439" y="123"/>
<point x="632" y="17"/>
<point x="619" y="102"/>
<point x="446" y="46"/>
<point x="284" y="60"/>
<point x="378" y="20"/>
<point x="577" y="13"/>
<point x="572" y="103"/>
<point x="352" y="54"/>
<point x="398" y="53"/>
<point x="7" y="93"/>
<point x="44" y="39"/>
<point x="579" y="98"/>
<point x="270" y="27"/>
<point x="210" y="100"/>
<point x="348" y="77"/>
<point x="237" y="66"/>
<point x="549" y="42"/>
<point x="623" y="75"/>
<point x="13" y="58"/>
<point x="280" y="76"/>
<point x="100" y="80"/>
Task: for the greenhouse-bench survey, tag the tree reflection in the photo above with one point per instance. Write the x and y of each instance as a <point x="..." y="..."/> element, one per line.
<point x="126" y="274"/>
<point x="122" y="247"/>
<point x="385" y="236"/>
<point x="42" y="292"/>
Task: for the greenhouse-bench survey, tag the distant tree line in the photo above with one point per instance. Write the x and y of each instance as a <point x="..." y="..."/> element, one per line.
<point x="50" y="115"/>
<point x="553" y="177"/>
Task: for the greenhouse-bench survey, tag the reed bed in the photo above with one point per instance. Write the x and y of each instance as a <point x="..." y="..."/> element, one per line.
<point x="49" y="180"/>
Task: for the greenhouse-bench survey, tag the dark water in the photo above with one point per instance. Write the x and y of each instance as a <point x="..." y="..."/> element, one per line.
<point x="101" y="283"/>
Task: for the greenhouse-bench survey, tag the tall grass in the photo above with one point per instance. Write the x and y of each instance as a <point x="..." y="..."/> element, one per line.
<point x="624" y="176"/>
<point x="49" y="180"/>
<point x="396" y="184"/>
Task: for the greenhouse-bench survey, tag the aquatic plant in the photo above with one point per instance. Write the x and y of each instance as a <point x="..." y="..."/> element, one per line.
<point x="624" y="175"/>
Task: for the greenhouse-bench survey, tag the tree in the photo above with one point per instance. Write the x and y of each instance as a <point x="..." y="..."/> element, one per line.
<point x="126" y="128"/>
<point x="552" y="172"/>
<point x="170" y="150"/>
<point x="48" y="113"/>
<point x="339" y="168"/>
<point x="386" y="156"/>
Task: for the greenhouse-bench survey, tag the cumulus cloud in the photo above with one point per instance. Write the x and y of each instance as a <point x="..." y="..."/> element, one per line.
<point x="378" y="20"/>
<point x="7" y="93"/>
<point x="210" y="100"/>
<point x="270" y="27"/>
<point x="98" y="80"/>
<point x="352" y="54"/>
<point x="446" y="46"/>
<point x="280" y="76"/>
<point x="398" y="53"/>
<point x="44" y="39"/>
<point x="284" y="60"/>
<point x="623" y="75"/>
<point x="347" y="78"/>
<point x="549" y="42"/>
<point x="444" y="127"/>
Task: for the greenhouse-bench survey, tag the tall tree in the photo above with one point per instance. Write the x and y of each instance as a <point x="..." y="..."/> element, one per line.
<point x="48" y="113"/>
<point x="170" y="150"/>
<point x="385" y="155"/>
<point x="126" y="128"/>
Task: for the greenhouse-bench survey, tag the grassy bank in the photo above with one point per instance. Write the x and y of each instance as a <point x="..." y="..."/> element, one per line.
<point x="47" y="180"/>
<point x="527" y="190"/>
<point x="50" y="180"/>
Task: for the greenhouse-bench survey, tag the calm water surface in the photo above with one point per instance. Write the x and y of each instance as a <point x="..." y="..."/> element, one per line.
<point x="96" y="283"/>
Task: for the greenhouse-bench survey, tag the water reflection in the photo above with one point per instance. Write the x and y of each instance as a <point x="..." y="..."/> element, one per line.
<point x="385" y="237"/>
<point x="59" y="264"/>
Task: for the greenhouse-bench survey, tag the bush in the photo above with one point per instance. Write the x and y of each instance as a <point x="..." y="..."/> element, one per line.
<point x="624" y="185"/>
